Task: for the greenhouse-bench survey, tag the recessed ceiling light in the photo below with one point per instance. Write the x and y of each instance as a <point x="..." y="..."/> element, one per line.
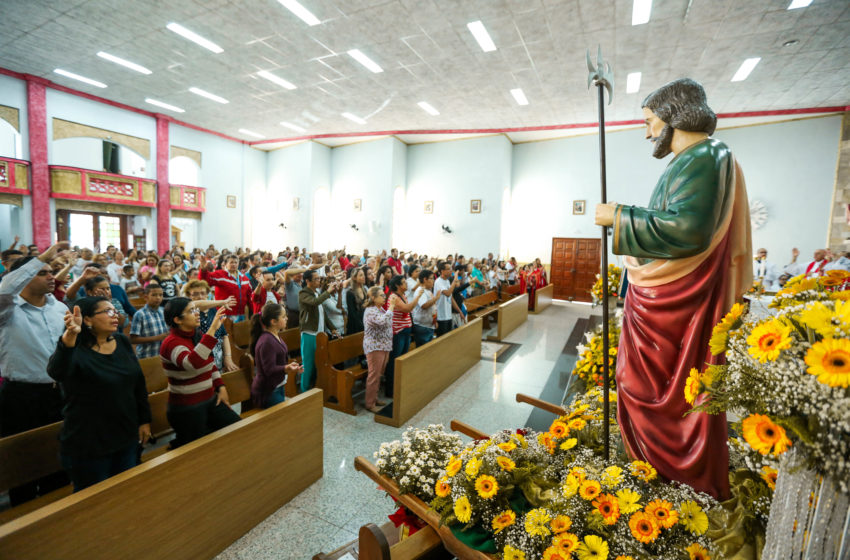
<point x="745" y="69"/>
<point x="354" y="118"/>
<point x="365" y="60"/>
<point x="633" y="82"/>
<point x="79" y="78"/>
<point x="789" y="43"/>
<point x="799" y="4"/>
<point x="194" y="37"/>
<point x="274" y="79"/>
<point x="640" y="11"/>
<point x="480" y="33"/>
<point x="208" y="95"/>
<point x="122" y="62"/>
<point x="164" y="105"/>
<point x="428" y="108"/>
<point x="291" y="126"/>
<point x="247" y="132"/>
<point x="296" y="8"/>
<point x="519" y="96"/>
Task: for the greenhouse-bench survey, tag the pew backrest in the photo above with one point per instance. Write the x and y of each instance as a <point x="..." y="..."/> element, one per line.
<point x="511" y="314"/>
<point x="155" y="378"/>
<point x="29" y="455"/>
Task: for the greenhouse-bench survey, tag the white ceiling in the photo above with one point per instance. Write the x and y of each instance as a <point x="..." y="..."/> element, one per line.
<point x="428" y="54"/>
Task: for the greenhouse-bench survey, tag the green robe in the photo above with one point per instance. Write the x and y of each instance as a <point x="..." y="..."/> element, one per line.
<point x="687" y="206"/>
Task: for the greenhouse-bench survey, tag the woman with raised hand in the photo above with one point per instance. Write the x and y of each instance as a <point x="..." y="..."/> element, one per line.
<point x="402" y="327"/>
<point x="377" y="343"/>
<point x="271" y="356"/>
<point x="355" y="300"/>
<point x="106" y="410"/>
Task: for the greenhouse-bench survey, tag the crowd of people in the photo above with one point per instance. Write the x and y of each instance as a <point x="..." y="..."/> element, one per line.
<point x="772" y="277"/>
<point x="71" y="338"/>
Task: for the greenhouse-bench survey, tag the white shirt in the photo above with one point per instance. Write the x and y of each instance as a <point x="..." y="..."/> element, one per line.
<point x="444" y="304"/>
<point x="411" y="286"/>
<point x="420" y="316"/>
<point x="114" y="272"/>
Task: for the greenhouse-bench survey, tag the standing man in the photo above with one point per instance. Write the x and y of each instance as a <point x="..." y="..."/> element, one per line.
<point x="395" y="262"/>
<point x="817" y="266"/>
<point x="31" y="322"/>
<point x="312" y="322"/>
<point x="764" y="272"/>
<point x="688" y="262"/>
<point x="443" y="287"/>
<point x="229" y="283"/>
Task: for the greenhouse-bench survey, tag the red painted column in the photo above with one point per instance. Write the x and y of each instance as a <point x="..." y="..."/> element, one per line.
<point x="163" y="194"/>
<point x="37" y="131"/>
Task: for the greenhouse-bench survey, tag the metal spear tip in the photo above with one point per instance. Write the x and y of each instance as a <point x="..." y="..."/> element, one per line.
<point x="600" y="74"/>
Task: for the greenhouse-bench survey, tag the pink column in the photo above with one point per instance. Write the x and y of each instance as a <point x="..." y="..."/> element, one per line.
<point x="163" y="194"/>
<point x="37" y="131"/>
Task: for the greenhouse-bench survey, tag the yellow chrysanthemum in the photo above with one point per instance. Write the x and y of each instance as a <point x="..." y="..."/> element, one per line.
<point x="472" y="467"/>
<point x="589" y="489"/>
<point x="593" y="548"/>
<point x="442" y="488"/>
<point x="697" y="552"/>
<point x="838" y="273"/>
<point x="829" y="360"/>
<point x="693" y="517"/>
<point x="561" y="523"/>
<point x="545" y="439"/>
<point x="462" y="509"/>
<point x="720" y="333"/>
<point x="505" y="463"/>
<point x="644" y="528"/>
<point x="612" y="476"/>
<point x="663" y="512"/>
<point x="578" y="411"/>
<point x="718" y="343"/>
<point x="507" y="447"/>
<point x="503" y="520"/>
<point x="643" y="470"/>
<point x="692" y="386"/>
<point x="576" y="424"/>
<point x="818" y="317"/>
<point x="608" y="507"/>
<point x="629" y="501"/>
<point x="553" y="553"/>
<point x="769" y="475"/>
<point x="764" y="435"/>
<point x="830" y="282"/>
<point x="521" y="440"/>
<point x="454" y="466"/>
<point x="579" y="472"/>
<point x="486" y="486"/>
<point x="843" y="295"/>
<point x="568" y="444"/>
<point x="536" y="522"/>
<point x="511" y="553"/>
<point x="768" y="339"/>
<point x="559" y="429"/>
<point x="570" y="488"/>
<point x="567" y="543"/>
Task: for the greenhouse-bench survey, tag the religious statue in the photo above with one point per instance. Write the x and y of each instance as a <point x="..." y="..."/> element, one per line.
<point x="688" y="257"/>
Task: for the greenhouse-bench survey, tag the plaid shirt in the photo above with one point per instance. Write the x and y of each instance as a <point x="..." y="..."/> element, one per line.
<point x="147" y="322"/>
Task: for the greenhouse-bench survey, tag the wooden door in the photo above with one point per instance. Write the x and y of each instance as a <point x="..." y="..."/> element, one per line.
<point x="575" y="264"/>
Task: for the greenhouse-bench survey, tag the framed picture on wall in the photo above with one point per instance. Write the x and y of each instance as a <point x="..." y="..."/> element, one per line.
<point x="231" y="201"/>
<point x="296" y="203"/>
<point x="429" y="206"/>
<point x="358" y="204"/>
<point x="475" y="206"/>
<point x="578" y="206"/>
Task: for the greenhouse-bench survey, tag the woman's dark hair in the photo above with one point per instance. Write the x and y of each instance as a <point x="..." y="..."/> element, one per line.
<point x="396" y="281"/>
<point x="412" y="268"/>
<point x="270" y="312"/>
<point x="88" y="307"/>
<point x="383" y="270"/>
<point x="174" y="309"/>
<point x="425" y="275"/>
<point x="92" y="282"/>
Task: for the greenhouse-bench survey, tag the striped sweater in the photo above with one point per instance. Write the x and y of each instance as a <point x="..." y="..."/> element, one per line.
<point x="192" y="375"/>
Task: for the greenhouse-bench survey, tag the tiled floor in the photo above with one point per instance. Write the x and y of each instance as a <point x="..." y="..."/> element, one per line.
<point x="330" y="512"/>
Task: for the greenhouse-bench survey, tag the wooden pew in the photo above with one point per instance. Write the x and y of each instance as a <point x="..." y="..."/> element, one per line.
<point x="509" y="292"/>
<point x="422" y="374"/>
<point x="511" y="314"/>
<point x="483" y="305"/>
<point x="423" y="544"/>
<point x="155" y="378"/>
<point x="337" y="384"/>
<point x="189" y="503"/>
<point x="137" y="301"/>
<point x="543" y="298"/>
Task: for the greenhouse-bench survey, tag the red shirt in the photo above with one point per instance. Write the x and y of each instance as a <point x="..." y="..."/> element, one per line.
<point x="261" y="298"/>
<point x="226" y="285"/>
<point x="396" y="264"/>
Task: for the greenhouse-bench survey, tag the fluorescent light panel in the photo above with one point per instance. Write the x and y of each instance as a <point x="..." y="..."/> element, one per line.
<point x="520" y="97"/>
<point x="641" y="9"/>
<point x="745" y="69"/>
<point x="799" y="4"/>
<point x="633" y="82"/>
<point x="194" y="37"/>
<point x="274" y="79"/>
<point x="480" y="33"/>
<point x="126" y="63"/>
<point x="164" y="105"/>
<point x="291" y="126"/>
<point x="303" y="13"/>
<point x="247" y="132"/>
<point x="79" y="78"/>
<point x="208" y="95"/>
<point x="425" y="106"/>
<point x="354" y="118"/>
<point x="365" y="60"/>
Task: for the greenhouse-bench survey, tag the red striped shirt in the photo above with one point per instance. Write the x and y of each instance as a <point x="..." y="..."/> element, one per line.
<point x="401" y="319"/>
<point x="192" y="375"/>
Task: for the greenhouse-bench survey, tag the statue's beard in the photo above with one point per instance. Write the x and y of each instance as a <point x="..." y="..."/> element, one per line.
<point x="662" y="142"/>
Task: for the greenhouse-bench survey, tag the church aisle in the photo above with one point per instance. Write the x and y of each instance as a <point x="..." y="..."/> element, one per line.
<point x="329" y="513"/>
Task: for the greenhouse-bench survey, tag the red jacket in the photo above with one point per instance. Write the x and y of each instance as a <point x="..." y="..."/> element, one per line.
<point x="259" y="299"/>
<point x="226" y="285"/>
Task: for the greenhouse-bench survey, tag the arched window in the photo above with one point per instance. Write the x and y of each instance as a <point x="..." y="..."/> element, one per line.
<point x="184" y="171"/>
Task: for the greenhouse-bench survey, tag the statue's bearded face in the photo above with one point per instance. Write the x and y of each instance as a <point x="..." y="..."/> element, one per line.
<point x="659" y="133"/>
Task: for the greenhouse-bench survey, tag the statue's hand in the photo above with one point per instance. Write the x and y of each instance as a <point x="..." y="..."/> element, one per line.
<point x="605" y="214"/>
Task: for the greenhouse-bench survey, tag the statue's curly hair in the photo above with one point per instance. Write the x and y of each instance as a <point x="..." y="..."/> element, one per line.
<point x="682" y="104"/>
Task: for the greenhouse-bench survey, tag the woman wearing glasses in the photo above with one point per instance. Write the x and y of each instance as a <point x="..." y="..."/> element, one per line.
<point x="106" y="405"/>
<point x="197" y="402"/>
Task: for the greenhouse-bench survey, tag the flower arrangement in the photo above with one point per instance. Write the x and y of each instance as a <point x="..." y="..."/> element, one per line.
<point x="615" y="276"/>
<point x="589" y="365"/>
<point x="834" y="285"/>
<point x="788" y="377"/>
<point x="416" y="461"/>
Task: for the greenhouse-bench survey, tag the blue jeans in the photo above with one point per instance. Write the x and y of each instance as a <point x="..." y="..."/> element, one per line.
<point x="401" y="344"/>
<point x="308" y="360"/>
<point x="277" y="397"/>
<point x="422" y="335"/>
<point x="87" y="471"/>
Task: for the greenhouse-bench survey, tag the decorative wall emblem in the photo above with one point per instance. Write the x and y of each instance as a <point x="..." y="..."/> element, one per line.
<point x="758" y="214"/>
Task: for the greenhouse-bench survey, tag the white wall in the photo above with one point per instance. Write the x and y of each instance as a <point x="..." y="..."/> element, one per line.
<point x="451" y="174"/>
<point x="13" y="93"/>
<point x="288" y="176"/>
<point x="15" y="220"/>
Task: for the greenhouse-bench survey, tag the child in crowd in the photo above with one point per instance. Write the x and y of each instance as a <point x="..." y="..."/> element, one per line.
<point x="128" y="281"/>
<point x="148" y="328"/>
<point x="271" y="356"/>
<point x="264" y="292"/>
